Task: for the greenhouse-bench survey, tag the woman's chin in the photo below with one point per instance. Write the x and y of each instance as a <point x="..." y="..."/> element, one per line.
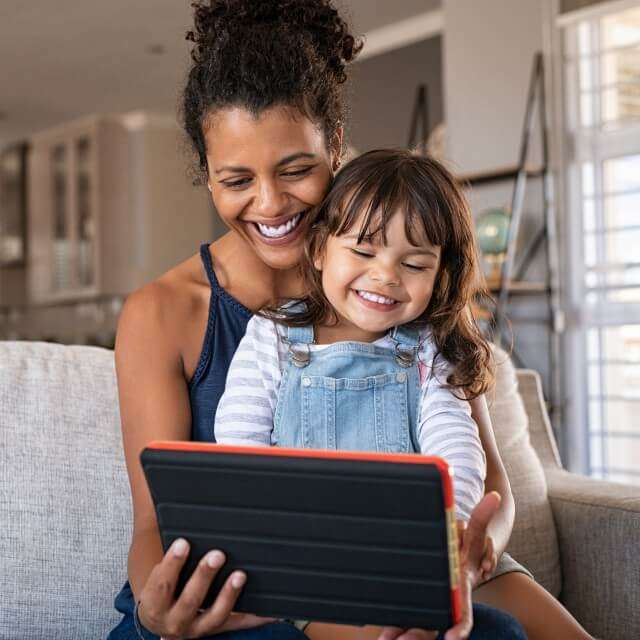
<point x="281" y="259"/>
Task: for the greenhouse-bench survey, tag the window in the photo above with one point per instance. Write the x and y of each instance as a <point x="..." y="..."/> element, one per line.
<point x="601" y="69"/>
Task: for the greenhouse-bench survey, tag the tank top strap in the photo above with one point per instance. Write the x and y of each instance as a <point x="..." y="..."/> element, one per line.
<point x="208" y="267"/>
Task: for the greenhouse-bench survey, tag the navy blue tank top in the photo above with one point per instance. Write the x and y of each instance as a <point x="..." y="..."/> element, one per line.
<point x="226" y="325"/>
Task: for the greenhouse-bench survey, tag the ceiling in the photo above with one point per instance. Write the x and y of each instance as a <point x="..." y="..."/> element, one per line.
<point x="63" y="59"/>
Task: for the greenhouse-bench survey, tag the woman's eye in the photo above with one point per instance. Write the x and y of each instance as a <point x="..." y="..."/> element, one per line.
<point x="235" y="184"/>
<point x="297" y="172"/>
<point x="362" y="254"/>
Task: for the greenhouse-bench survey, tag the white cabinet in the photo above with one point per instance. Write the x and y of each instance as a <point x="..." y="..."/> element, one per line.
<point x="110" y="207"/>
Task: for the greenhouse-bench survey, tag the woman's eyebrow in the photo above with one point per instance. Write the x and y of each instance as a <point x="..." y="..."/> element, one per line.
<point x="296" y="156"/>
<point x="285" y="160"/>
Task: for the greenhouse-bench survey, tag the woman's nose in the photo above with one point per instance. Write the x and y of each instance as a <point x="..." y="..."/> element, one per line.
<point x="269" y="201"/>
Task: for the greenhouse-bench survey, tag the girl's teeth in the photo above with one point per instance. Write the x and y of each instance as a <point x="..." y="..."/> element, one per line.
<point x="375" y="298"/>
<point x="277" y="232"/>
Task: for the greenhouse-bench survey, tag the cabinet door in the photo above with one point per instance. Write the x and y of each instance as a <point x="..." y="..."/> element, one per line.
<point x="62" y="272"/>
<point x="85" y="213"/>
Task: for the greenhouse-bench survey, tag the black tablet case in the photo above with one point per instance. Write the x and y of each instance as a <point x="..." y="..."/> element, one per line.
<point x="326" y="537"/>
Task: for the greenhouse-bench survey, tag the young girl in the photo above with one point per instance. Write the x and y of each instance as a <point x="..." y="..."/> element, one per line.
<point x="381" y="354"/>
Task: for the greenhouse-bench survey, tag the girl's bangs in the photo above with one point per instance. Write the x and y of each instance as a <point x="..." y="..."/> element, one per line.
<point x="376" y="199"/>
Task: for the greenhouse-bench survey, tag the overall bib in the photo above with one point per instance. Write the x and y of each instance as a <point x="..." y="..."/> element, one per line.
<point x="350" y="395"/>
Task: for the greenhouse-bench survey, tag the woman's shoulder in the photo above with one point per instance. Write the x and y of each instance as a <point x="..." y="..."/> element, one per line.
<point x="172" y="294"/>
<point x="170" y="312"/>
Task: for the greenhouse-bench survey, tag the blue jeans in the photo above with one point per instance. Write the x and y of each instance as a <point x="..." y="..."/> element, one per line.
<point x="489" y="624"/>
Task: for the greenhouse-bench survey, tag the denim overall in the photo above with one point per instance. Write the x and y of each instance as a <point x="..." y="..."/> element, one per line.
<point x="350" y="395"/>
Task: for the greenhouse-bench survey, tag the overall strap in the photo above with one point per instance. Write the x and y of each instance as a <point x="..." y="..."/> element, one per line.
<point x="300" y="335"/>
<point x="407" y="342"/>
<point x="299" y="339"/>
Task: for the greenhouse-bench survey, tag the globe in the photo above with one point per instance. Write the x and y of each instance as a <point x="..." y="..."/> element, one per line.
<point x="492" y="228"/>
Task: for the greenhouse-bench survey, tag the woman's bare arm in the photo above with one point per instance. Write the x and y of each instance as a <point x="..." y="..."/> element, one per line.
<point x="501" y="524"/>
<point x="154" y="405"/>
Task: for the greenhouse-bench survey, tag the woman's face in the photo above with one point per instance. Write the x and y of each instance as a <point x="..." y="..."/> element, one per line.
<point x="265" y="174"/>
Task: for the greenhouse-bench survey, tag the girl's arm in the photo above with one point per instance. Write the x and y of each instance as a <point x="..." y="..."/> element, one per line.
<point x="246" y="409"/>
<point x="446" y="429"/>
<point x="502" y="523"/>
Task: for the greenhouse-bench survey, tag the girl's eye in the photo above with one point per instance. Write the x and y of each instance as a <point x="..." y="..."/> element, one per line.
<point x="415" y="267"/>
<point x="297" y="172"/>
<point x="362" y="254"/>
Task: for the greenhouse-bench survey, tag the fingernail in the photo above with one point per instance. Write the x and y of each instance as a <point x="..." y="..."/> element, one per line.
<point x="214" y="559"/>
<point x="180" y="547"/>
<point x="237" y="580"/>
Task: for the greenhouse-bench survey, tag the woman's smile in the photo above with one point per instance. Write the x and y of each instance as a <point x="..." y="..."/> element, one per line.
<point x="281" y="230"/>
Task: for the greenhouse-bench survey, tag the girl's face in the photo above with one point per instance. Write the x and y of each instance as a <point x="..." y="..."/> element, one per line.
<point x="374" y="286"/>
<point x="265" y="174"/>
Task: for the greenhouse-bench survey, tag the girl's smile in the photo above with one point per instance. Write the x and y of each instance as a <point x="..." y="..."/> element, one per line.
<point x="373" y="286"/>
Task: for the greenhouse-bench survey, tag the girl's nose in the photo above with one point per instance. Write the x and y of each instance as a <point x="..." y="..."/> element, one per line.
<point x="385" y="274"/>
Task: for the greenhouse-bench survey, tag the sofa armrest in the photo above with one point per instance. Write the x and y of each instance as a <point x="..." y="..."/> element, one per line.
<point x="598" y="527"/>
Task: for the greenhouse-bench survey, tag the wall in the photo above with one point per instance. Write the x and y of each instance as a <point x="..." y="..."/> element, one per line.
<point x="488" y="55"/>
<point x="382" y="93"/>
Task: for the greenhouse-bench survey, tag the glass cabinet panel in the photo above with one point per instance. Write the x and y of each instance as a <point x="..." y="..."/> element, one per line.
<point x="85" y="219"/>
<point x="61" y="246"/>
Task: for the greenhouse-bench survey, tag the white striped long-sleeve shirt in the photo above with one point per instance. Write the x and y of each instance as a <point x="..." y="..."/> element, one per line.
<point x="445" y="427"/>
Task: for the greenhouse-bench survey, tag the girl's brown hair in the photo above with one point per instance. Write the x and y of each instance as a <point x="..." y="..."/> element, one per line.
<point x="371" y="189"/>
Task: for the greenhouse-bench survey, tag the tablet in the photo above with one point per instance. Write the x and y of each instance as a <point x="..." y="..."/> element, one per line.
<point x="344" y="537"/>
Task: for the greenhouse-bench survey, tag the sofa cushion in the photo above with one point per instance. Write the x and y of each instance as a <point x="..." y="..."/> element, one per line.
<point x="64" y="495"/>
<point x="533" y="541"/>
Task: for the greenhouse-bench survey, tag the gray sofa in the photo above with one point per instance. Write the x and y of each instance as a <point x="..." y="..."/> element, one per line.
<point x="66" y="515"/>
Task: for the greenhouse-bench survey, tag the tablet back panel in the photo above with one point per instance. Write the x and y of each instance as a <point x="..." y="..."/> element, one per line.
<point x="338" y="537"/>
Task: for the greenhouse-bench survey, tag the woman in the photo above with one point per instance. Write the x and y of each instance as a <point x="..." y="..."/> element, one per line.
<point x="263" y="109"/>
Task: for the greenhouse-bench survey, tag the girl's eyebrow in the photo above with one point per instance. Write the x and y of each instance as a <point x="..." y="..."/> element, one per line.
<point x="285" y="160"/>
<point x="423" y="251"/>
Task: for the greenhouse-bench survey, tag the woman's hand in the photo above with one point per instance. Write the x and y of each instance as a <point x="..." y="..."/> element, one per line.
<point x="174" y="619"/>
<point x="459" y="632"/>
<point x="476" y="553"/>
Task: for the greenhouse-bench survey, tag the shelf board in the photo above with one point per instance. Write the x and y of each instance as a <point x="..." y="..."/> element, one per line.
<point x="519" y="287"/>
<point x="499" y="175"/>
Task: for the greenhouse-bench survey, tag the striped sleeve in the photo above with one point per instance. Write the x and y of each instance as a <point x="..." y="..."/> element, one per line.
<point x="245" y="413"/>
<point x="446" y="429"/>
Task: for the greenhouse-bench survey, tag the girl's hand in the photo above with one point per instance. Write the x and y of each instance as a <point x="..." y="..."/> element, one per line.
<point x="477" y="552"/>
<point x="174" y="619"/>
<point x="488" y="561"/>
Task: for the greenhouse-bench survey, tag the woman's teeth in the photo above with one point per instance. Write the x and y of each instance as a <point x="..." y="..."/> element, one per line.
<point x="373" y="297"/>
<point x="277" y="232"/>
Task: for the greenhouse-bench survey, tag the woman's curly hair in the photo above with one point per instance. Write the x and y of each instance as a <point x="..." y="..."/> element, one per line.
<point x="365" y="195"/>
<point x="262" y="53"/>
